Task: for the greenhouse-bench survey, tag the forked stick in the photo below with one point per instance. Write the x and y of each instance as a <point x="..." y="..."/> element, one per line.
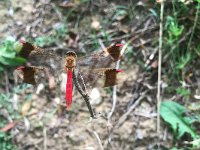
<point x="84" y="95"/>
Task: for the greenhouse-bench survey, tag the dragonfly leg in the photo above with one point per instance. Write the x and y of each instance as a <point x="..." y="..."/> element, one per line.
<point x="84" y="86"/>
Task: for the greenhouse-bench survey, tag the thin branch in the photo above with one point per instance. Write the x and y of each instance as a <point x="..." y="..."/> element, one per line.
<point x="98" y="139"/>
<point x="124" y="117"/>
<point x="115" y="88"/>
<point x="84" y="95"/>
<point x="101" y="44"/>
<point x="59" y="14"/>
<point x="6" y="81"/>
<point x="194" y="26"/>
<point x="114" y="97"/>
<point x="45" y="138"/>
<point x="159" y="66"/>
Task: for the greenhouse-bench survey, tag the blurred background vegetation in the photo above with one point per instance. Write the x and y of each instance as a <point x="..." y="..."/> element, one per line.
<point x="30" y="118"/>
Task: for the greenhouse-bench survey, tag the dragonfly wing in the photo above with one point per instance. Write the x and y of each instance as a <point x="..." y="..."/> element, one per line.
<point x="28" y="73"/>
<point x="114" y="51"/>
<point x="96" y="70"/>
<point x="35" y="75"/>
<point x="28" y="50"/>
<point x="39" y="57"/>
<point x="102" y="59"/>
<point x="103" y="77"/>
<point x="110" y="78"/>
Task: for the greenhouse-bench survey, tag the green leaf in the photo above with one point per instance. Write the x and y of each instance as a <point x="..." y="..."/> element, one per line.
<point x="175" y="29"/>
<point x="4" y="52"/>
<point x="8" y="43"/>
<point x="9" y="54"/>
<point x="18" y="46"/>
<point x="1" y="69"/>
<point x="120" y="14"/>
<point x="3" y="61"/>
<point x="2" y="134"/>
<point x="43" y="40"/>
<point x="13" y="62"/>
<point x="16" y="61"/>
<point x="183" y="61"/>
<point x="196" y="143"/>
<point x="174" y="148"/>
<point x="172" y="113"/>
<point x="198" y="1"/>
<point x="183" y="92"/>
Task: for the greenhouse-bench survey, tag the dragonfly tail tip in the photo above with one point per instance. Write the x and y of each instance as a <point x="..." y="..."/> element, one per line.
<point x="68" y="107"/>
<point x="22" y="41"/>
<point x="20" y="68"/>
<point x="119" y="44"/>
<point x="119" y="70"/>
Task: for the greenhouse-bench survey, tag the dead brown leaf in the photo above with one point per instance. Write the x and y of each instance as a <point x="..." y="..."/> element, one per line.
<point x="25" y="108"/>
<point x="8" y="127"/>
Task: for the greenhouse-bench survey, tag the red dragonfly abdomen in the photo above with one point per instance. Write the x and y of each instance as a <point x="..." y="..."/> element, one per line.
<point x="69" y="87"/>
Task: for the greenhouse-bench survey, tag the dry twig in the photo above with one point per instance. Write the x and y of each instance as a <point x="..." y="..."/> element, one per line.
<point x="84" y="95"/>
<point x="124" y="116"/>
<point x="159" y="66"/>
<point x="45" y="138"/>
<point x="115" y="87"/>
<point x="98" y="139"/>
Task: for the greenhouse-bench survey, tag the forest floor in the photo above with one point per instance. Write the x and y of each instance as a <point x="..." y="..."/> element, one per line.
<point x="44" y="124"/>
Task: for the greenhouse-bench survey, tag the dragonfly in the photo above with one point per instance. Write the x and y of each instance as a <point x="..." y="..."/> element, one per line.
<point x="69" y="64"/>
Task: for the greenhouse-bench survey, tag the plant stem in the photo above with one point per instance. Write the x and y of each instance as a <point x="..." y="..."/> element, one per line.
<point x="98" y="140"/>
<point x="194" y="26"/>
<point x="159" y="66"/>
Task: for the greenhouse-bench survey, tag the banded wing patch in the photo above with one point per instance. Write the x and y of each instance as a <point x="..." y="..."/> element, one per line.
<point x="28" y="73"/>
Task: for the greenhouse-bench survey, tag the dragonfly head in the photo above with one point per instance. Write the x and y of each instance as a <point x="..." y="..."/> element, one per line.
<point x="70" y="60"/>
<point x="71" y="53"/>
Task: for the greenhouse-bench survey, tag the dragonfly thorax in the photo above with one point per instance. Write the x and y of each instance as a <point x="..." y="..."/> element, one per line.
<point x="70" y="60"/>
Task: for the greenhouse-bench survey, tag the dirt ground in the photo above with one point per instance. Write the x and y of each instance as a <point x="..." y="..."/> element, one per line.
<point x="46" y="125"/>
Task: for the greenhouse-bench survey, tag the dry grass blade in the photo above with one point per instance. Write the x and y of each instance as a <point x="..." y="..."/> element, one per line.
<point x="159" y="66"/>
